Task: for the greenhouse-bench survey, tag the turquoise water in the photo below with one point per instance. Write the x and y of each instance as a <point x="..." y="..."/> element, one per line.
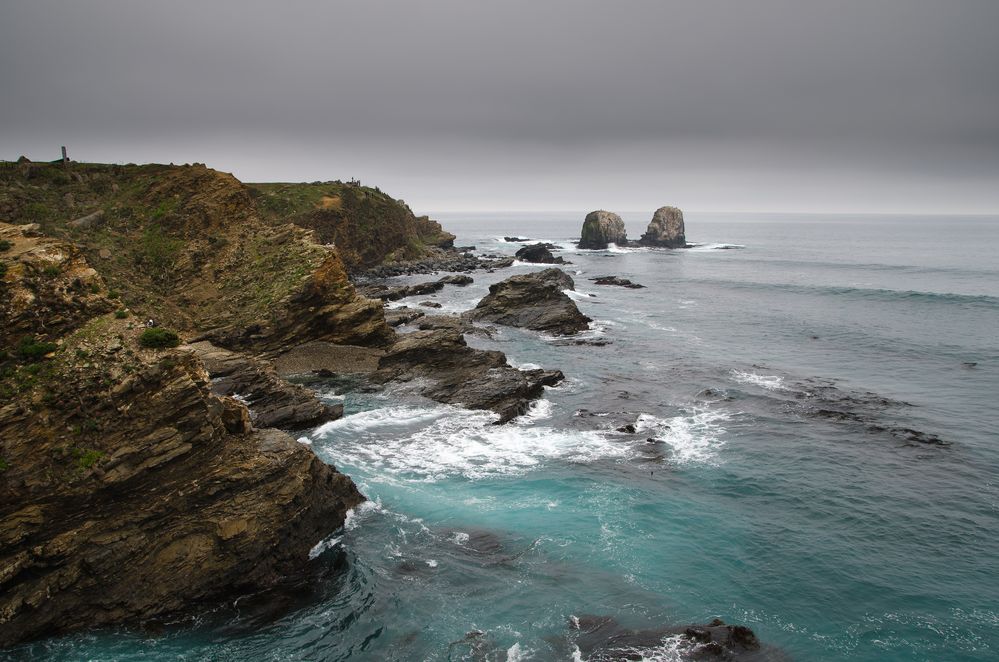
<point x="770" y="375"/>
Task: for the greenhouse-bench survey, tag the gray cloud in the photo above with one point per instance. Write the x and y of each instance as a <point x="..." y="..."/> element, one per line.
<point x="763" y="105"/>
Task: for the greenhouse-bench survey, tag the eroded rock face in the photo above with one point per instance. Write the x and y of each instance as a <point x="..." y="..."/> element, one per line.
<point x="130" y="491"/>
<point x="601" y="228"/>
<point x="272" y="402"/>
<point x="458" y="374"/>
<point x="533" y="301"/>
<point x="46" y="287"/>
<point x="665" y="230"/>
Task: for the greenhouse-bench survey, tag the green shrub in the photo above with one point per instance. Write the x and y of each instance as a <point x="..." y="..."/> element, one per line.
<point x="158" y="337"/>
<point x="31" y="350"/>
<point x="3" y="465"/>
<point x="159" y="249"/>
<point x="5" y="245"/>
<point x="3" y="269"/>
<point x="52" y="270"/>
<point x="121" y="314"/>
<point x="86" y="458"/>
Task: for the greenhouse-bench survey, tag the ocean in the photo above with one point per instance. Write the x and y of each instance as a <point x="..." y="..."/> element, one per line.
<point x="815" y="455"/>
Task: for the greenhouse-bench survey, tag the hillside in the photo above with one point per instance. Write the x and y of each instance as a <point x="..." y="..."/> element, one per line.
<point x="188" y="247"/>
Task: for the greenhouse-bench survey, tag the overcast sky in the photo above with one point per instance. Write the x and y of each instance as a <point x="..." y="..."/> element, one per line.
<point x="868" y="105"/>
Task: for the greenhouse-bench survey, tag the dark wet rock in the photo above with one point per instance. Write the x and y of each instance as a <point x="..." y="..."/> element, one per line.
<point x="272" y="401"/>
<point x="533" y="301"/>
<point x="449" y="322"/>
<point x="666" y="229"/>
<point x="457" y="279"/>
<point x="516" y="240"/>
<point x="603" y="639"/>
<point x="497" y="263"/>
<point x="969" y="364"/>
<point x="398" y="316"/>
<point x="629" y="428"/>
<point x="539" y="254"/>
<point x="437" y="259"/>
<point x="454" y="373"/>
<point x="430" y="304"/>
<point x="910" y="435"/>
<point x="394" y="293"/>
<point x="615" y="280"/>
<point x="601" y="228"/>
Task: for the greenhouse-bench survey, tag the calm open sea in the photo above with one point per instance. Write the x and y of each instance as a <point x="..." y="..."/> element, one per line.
<point x="823" y="400"/>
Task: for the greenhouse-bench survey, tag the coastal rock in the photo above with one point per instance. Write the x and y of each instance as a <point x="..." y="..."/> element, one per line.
<point x="130" y="492"/>
<point x="539" y="254"/>
<point x="454" y="373"/>
<point x="533" y="301"/>
<point x="603" y="639"/>
<point x="601" y="228"/>
<point x="394" y="293"/>
<point x="615" y="280"/>
<point x="272" y="402"/>
<point x="398" y="316"/>
<point x="516" y="240"/>
<point x="666" y="229"/>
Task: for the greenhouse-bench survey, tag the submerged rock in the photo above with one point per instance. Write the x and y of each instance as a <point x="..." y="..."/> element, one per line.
<point x="601" y="228"/>
<point x="533" y="301"/>
<point x="603" y="639"/>
<point x="455" y="373"/>
<point x="539" y="254"/>
<point x="666" y="229"/>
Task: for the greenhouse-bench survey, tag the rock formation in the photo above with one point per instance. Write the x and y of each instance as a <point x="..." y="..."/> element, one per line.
<point x="458" y="374"/>
<point x="665" y="230"/>
<point x="539" y="254"/>
<point x="129" y="491"/>
<point x="272" y="402"/>
<point x="601" y="228"/>
<point x="533" y="301"/>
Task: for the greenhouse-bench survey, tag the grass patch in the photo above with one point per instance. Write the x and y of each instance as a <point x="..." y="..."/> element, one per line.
<point x="5" y="245"/>
<point x="120" y="314"/>
<point x="158" y="338"/>
<point x="159" y="250"/>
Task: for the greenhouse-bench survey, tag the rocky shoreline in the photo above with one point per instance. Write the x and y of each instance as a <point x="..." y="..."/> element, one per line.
<point x="132" y="401"/>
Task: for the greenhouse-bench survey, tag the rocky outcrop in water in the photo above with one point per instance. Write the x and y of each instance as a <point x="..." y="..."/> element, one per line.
<point x="616" y="280"/>
<point x="129" y="491"/>
<point x="603" y="639"/>
<point x="533" y="301"/>
<point x="454" y="373"/>
<point x="601" y="228"/>
<point x="666" y="229"/>
<point x="539" y="254"/>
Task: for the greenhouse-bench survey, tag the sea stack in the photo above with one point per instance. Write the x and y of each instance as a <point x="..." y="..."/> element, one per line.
<point x="665" y="230"/>
<point x="602" y="228"/>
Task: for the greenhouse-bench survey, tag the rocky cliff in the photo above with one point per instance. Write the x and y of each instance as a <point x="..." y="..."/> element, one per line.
<point x="188" y="246"/>
<point x="128" y="490"/>
<point x="368" y="226"/>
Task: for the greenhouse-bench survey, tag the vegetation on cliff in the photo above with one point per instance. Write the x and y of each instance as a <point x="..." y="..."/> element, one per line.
<point x="186" y="246"/>
<point x="368" y="226"/>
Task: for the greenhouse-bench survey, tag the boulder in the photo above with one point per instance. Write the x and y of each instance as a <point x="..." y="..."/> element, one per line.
<point x="665" y="230"/>
<point x="601" y="228"/>
<point x="533" y="301"/>
<point x="539" y="254"/>
<point x="450" y="371"/>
